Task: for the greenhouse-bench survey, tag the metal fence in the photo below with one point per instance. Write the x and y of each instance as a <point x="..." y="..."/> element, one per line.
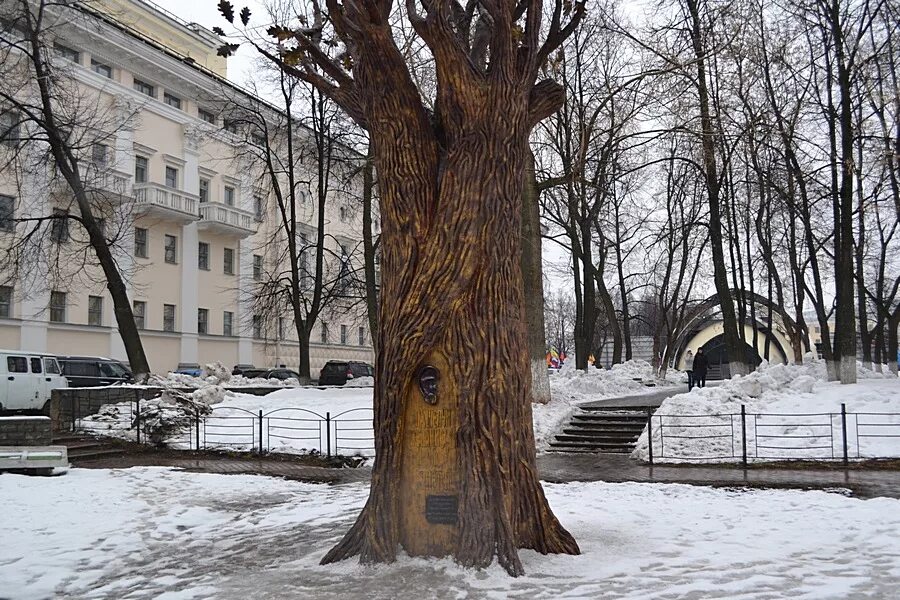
<point x="774" y="436"/>
<point x="230" y="428"/>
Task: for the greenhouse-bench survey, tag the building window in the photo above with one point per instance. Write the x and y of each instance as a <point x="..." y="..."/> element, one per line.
<point x="5" y="301"/>
<point x="67" y="53"/>
<point x="59" y="228"/>
<point x="171" y="100"/>
<point x="140" y="242"/>
<point x="171" y="249"/>
<point x="229" y="196"/>
<point x="229" y="261"/>
<point x="257" y="327"/>
<point x="324" y="337"/>
<point x="7" y="213"/>
<point x="362" y="336"/>
<point x="230" y="126"/>
<point x="227" y="321"/>
<point x="202" y="320"/>
<point x="145" y="88"/>
<point x="258" y="139"/>
<point x="343" y="334"/>
<point x="140" y="169"/>
<point x="57" y="307"/>
<point x="258" y="207"/>
<point x="257" y="267"/>
<point x="9" y="128"/>
<point x="102" y="69"/>
<point x="139" y="308"/>
<point x="207" y="116"/>
<point x="172" y="177"/>
<point x="280" y="328"/>
<point x="95" y="311"/>
<point x="99" y="154"/>
<point x="203" y="256"/>
<point x="302" y="250"/>
<point x="168" y="317"/>
<point x="204" y="190"/>
<point x="343" y="214"/>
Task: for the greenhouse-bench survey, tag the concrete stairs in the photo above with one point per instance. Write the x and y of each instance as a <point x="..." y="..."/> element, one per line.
<point x="85" y="447"/>
<point x="607" y="429"/>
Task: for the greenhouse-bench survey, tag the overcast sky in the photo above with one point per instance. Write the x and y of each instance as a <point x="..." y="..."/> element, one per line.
<point x="205" y="13"/>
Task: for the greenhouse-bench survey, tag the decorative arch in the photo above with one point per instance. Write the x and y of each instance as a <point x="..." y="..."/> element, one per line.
<point x="785" y="338"/>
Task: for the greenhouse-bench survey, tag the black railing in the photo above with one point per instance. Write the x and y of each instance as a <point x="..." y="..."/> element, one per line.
<point x="227" y="427"/>
<point x="773" y="436"/>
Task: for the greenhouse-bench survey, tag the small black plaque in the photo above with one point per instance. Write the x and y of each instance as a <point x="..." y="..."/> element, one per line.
<point x="441" y="510"/>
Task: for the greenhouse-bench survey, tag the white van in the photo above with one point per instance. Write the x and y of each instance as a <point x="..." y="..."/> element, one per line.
<point x="27" y="378"/>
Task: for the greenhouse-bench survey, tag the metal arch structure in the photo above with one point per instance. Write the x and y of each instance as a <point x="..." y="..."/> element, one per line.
<point x="698" y="317"/>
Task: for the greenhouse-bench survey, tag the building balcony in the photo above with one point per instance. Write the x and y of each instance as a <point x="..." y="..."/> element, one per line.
<point x="101" y="184"/>
<point x="219" y="217"/>
<point x="166" y="202"/>
<point x="115" y="182"/>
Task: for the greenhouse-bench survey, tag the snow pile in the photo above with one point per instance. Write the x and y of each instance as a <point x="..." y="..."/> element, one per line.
<point x="162" y="418"/>
<point x="570" y="387"/>
<point x="360" y="382"/>
<point x="162" y="533"/>
<point x="792" y="412"/>
<point x="217" y="374"/>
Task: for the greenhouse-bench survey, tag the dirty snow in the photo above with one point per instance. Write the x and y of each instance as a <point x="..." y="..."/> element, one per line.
<point x="160" y="533"/>
<point x="792" y="412"/>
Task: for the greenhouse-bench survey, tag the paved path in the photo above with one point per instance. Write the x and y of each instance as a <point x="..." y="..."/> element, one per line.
<point x="865" y="483"/>
<point x="555" y="467"/>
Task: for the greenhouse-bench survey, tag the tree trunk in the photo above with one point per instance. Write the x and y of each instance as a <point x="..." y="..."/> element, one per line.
<point x="733" y="343"/>
<point x="844" y="319"/>
<point x="68" y="167"/>
<point x="453" y="300"/>
<point x="369" y="246"/>
<point x="533" y="277"/>
<point x="893" y="324"/>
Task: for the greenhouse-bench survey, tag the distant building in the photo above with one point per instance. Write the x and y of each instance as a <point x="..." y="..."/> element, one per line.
<point x="199" y="217"/>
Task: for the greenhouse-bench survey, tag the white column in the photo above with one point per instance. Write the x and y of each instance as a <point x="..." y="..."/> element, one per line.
<point x="244" y="314"/>
<point x="245" y="275"/>
<point x="32" y="284"/>
<point x="123" y="250"/>
<point x="190" y="237"/>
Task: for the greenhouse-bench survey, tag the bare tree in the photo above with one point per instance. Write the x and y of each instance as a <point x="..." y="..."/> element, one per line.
<point x="69" y="128"/>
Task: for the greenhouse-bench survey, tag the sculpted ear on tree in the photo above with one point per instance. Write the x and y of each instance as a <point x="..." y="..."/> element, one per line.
<point x="455" y="471"/>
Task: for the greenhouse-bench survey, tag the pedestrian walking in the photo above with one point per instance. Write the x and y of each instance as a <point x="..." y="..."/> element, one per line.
<point x="701" y="365"/>
<point x="689" y="368"/>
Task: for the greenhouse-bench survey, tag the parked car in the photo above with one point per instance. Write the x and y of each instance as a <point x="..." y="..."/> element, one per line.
<point x="338" y="372"/>
<point x="279" y="373"/>
<point x="94" y="371"/>
<point x="241" y="369"/>
<point x="26" y="380"/>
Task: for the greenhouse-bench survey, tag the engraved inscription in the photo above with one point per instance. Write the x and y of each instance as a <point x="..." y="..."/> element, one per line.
<point x="441" y="510"/>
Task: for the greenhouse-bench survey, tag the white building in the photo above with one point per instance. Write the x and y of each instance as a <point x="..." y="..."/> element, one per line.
<point x="195" y="219"/>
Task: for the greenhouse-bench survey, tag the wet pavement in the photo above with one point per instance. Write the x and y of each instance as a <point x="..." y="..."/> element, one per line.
<point x="618" y="468"/>
<point x="861" y="481"/>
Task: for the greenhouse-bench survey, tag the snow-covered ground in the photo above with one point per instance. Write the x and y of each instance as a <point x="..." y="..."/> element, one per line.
<point x="792" y="412"/>
<point x="570" y="387"/>
<point x="294" y="418"/>
<point x="165" y="534"/>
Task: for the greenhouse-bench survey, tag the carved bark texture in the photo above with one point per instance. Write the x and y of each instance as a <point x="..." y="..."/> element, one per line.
<point x="453" y="296"/>
<point x="450" y="192"/>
